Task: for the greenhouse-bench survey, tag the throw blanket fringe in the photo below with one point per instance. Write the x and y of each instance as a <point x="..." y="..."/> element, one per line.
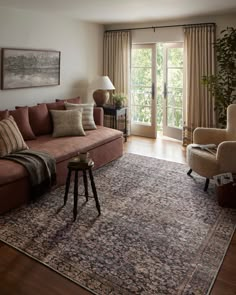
<point x="41" y="168"/>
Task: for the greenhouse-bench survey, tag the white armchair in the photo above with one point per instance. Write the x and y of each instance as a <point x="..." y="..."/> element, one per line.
<point x="207" y="164"/>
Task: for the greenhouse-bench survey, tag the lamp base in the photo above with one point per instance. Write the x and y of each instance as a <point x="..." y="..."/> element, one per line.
<point x="101" y="97"/>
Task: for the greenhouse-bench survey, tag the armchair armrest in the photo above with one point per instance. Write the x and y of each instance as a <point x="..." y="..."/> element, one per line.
<point x="226" y="156"/>
<point x="209" y="135"/>
<point x="98" y="115"/>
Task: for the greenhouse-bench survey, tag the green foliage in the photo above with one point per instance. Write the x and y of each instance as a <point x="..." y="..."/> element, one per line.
<point x="223" y="84"/>
<point x="118" y="99"/>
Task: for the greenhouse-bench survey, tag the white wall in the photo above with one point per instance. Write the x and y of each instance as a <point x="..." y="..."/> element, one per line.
<point x="80" y="44"/>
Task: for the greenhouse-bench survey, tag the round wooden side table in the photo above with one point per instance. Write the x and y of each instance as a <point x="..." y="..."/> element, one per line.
<point x="75" y="165"/>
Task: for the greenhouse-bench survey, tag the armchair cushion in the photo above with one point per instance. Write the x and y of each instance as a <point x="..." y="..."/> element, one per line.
<point x="202" y="162"/>
<point x="209" y="135"/>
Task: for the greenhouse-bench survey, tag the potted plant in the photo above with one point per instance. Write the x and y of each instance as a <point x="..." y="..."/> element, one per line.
<point x="223" y="84"/>
<point x="118" y="100"/>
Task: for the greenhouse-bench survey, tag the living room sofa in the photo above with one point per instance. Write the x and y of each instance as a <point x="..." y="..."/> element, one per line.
<point x="103" y="144"/>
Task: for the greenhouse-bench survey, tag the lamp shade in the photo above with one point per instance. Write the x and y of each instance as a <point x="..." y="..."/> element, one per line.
<point x="101" y="85"/>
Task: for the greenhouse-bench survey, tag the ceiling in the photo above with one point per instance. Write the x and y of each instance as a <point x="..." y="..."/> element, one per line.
<point x="126" y="11"/>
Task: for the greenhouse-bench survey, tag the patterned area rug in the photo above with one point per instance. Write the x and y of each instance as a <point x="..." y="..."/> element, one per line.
<point x="159" y="233"/>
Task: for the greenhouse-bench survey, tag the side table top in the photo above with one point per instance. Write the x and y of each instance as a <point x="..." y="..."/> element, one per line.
<point x="78" y="164"/>
<point x="113" y="110"/>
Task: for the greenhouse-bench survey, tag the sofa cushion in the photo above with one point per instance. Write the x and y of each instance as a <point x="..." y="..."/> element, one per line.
<point x="72" y="100"/>
<point x="87" y="117"/>
<point x="21" y="117"/>
<point x="67" y="123"/>
<point x="63" y="148"/>
<point x="11" y="139"/>
<point x="4" y="114"/>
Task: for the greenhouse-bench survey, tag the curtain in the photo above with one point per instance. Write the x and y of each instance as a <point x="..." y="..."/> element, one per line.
<point x="200" y="61"/>
<point x="116" y="63"/>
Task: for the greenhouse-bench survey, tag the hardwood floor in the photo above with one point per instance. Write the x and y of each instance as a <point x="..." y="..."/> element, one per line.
<point x="21" y="275"/>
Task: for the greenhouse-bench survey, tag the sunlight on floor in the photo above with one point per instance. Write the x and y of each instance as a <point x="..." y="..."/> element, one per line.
<point x="161" y="147"/>
<point x="161" y="136"/>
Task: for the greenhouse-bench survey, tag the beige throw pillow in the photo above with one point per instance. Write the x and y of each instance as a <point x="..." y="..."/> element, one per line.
<point x="87" y="118"/>
<point x="11" y="140"/>
<point x="67" y="123"/>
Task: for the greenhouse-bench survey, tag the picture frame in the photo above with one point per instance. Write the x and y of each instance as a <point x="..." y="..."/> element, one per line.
<point x="24" y="68"/>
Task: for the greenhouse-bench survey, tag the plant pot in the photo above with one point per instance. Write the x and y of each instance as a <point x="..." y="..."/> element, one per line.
<point x="118" y="104"/>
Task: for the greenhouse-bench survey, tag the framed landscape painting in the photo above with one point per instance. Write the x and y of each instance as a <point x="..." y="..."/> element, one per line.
<point x="22" y="68"/>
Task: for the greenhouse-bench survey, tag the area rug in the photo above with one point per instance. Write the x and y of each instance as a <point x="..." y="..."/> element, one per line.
<point x="158" y="233"/>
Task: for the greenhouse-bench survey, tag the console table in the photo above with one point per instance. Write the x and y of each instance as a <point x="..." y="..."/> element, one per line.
<point x="115" y="114"/>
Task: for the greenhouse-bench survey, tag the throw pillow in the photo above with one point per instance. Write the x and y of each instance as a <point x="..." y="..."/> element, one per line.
<point x="72" y="100"/>
<point x="4" y="114"/>
<point x="21" y="117"/>
<point x="39" y="119"/>
<point x="55" y="105"/>
<point x="67" y="123"/>
<point x="11" y="139"/>
<point x="87" y="118"/>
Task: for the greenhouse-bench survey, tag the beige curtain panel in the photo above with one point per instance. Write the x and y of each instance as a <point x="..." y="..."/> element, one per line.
<point x="117" y="59"/>
<point x="116" y="62"/>
<point x="200" y="61"/>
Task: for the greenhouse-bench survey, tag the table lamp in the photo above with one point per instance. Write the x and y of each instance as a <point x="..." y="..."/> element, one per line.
<point x="101" y="95"/>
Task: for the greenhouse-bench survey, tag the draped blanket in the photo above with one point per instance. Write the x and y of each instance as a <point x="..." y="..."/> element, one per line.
<point x="41" y="168"/>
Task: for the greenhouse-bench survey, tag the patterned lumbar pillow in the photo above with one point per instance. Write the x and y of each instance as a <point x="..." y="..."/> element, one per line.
<point x="67" y="123"/>
<point x="87" y="118"/>
<point x="11" y="139"/>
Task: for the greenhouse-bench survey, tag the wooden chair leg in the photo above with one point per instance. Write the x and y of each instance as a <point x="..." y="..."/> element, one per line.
<point x="189" y="172"/>
<point x="206" y="184"/>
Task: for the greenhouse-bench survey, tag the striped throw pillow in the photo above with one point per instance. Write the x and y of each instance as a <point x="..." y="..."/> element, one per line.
<point x="87" y="116"/>
<point x="11" y="139"/>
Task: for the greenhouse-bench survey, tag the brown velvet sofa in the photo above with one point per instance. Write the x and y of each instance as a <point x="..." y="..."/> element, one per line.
<point x="104" y="145"/>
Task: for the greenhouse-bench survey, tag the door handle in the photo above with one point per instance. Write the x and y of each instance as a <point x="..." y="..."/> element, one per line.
<point x="165" y="90"/>
<point x="153" y="90"/>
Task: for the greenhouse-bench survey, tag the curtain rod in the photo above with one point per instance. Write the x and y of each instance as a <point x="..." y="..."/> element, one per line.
<point x="160" y="27"/>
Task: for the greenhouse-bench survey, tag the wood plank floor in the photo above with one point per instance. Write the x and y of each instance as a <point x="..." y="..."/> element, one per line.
<point x="21" y="275"/>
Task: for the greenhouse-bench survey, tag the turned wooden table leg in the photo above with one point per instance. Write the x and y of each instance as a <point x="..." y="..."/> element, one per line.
<point x="67" y="186"/>
<point x="75" y="194"/>
<point x="94" y="191"/>
<point x="85" y="185"/>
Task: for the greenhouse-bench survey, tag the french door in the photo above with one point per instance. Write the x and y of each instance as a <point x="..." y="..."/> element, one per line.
<point x="157" y="89"/>
<point x="143" y="88"/>
<point x="173" y="90"/>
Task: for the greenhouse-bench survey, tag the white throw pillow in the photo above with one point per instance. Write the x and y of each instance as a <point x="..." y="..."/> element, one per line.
<point x="67" y="123"/>
<point x="87" y="117"/>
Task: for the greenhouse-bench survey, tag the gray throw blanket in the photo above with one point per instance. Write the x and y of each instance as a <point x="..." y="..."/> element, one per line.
<point x="41" y="168"/>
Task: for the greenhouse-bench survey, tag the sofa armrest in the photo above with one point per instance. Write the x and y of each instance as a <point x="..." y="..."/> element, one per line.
<point x="226" y="156"/>
<point x="98" y="115"/>
<point x="203" y="135"/>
